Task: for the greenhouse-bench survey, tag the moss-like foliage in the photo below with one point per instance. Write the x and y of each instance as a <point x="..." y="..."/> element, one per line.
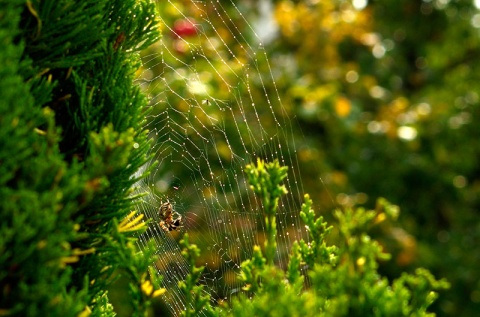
<point x="70" y="140"/>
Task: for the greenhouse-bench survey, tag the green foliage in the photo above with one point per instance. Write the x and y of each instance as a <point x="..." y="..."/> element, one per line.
<point x="342" y="280"/>
<point x="349" y="286"/>
<point x="316" y="250"/>
<point x="265" y="181"/>
<point x="354" y="287"/>
<point x="196" y="298"/>
<point x="70" y="139"/>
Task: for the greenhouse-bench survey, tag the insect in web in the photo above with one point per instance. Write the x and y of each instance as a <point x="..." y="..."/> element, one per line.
<point x="171" y="220"/>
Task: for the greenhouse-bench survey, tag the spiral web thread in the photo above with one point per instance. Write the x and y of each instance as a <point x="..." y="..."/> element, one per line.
<point x="214" y="109"/>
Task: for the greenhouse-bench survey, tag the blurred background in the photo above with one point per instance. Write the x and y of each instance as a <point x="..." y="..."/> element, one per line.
<point x="384" y="100"/>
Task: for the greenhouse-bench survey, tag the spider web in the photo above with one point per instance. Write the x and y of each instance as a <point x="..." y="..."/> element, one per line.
<point x="215" y="108"/>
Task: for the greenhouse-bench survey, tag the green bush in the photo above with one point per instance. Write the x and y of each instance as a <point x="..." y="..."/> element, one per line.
<point x="322" y="280"/>
<point x="70" y="140"/>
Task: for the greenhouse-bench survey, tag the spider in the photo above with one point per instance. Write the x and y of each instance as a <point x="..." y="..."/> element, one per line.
<point x="169" y="223"/>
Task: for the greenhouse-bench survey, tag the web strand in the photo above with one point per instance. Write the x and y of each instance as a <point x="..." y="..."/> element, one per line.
<point x="215" y="108"/>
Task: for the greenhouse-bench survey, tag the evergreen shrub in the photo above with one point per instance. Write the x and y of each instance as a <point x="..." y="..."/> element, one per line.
<point x="321" y="280"/>
<point x="70" y="140"/>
